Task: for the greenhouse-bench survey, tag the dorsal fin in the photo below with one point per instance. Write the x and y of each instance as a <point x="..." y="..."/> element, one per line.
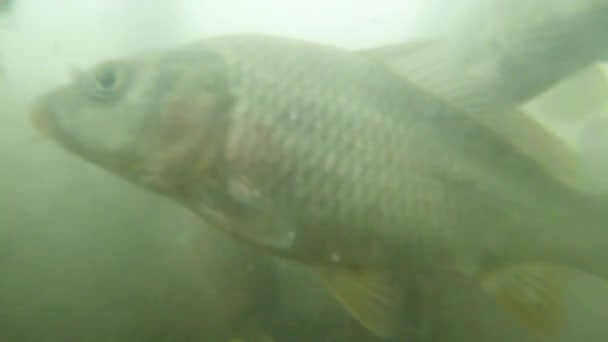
<point x="413" y="62"/>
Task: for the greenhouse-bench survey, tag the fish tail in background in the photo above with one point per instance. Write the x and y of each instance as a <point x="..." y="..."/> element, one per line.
<point x="593" y="147"/>
<point x="531" y="45"/>
<point x="502" y="53"/>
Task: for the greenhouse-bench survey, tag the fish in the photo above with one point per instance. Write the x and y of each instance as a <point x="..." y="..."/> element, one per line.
<point x="326" y="157"/>
<point x="499" y="54"/>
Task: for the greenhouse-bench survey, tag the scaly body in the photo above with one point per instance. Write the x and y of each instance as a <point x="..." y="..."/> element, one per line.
<point x="323" y="156"/>
<point x="367" y="160"/>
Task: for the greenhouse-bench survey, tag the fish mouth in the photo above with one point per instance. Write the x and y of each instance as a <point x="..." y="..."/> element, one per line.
<point x="42" y="120"/>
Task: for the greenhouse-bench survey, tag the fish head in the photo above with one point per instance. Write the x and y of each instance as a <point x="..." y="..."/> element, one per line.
<point x="156" y="119"/>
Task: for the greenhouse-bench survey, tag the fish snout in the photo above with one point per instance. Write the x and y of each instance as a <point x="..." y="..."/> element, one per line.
<point x="41" y="117"/>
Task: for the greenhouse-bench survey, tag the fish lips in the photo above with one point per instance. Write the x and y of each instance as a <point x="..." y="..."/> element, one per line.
<point x="42" y="120"/>
<point x="45" y="119"/>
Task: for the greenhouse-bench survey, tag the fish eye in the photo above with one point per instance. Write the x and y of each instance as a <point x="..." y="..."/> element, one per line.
<point x="107" y="81"/>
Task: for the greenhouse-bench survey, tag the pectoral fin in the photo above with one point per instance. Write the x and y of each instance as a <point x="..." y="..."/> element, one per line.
<point x="532" y="293"/>
<point x="369" y="296"/>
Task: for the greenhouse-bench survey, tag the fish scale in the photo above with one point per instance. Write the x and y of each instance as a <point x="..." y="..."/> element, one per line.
<point x="343" y="144"/>
<point x="344" y="140"/>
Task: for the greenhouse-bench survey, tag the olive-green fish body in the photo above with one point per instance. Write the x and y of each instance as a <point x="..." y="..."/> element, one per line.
<point x="363" y="159"/>
<point x="325" y="156"/>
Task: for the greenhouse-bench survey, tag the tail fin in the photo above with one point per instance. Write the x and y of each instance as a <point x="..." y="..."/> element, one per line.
<point x="593" y="147"/>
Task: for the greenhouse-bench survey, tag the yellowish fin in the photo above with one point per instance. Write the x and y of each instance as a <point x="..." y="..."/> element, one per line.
<point x="532" y="293"/>
<point x="368" y="296"/>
